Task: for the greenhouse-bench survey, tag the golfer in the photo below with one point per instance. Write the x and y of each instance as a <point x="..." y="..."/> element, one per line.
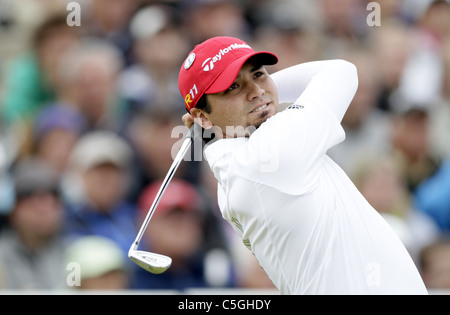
<point x="296" y="210"/>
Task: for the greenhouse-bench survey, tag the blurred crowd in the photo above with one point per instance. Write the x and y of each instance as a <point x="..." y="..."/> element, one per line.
<point x="90" y="120"/>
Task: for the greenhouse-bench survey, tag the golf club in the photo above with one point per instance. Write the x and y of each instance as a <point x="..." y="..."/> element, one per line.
<point x="156" y="263"/>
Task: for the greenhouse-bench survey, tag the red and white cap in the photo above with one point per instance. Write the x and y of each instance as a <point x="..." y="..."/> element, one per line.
<point x="212" y="66"/>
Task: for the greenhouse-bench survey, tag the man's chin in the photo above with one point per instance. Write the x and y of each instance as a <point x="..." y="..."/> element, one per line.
<point x="266" y="114"/>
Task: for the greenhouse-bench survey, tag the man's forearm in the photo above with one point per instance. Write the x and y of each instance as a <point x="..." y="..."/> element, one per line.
<point x="332" y="83"/>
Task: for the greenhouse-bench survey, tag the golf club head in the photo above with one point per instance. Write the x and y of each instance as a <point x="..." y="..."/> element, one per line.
<point x="151" y="262"/>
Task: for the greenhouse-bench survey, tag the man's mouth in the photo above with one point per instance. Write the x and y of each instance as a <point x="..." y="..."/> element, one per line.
<point x="260" y="108"/>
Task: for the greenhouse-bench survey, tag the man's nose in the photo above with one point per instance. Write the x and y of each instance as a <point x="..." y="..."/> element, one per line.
<point x="255" y="90"/>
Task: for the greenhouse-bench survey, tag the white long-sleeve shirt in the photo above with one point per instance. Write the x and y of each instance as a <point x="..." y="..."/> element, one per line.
<point x="295" y="209"/>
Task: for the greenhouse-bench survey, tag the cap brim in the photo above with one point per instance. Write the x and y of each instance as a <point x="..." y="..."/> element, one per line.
<point x="229" y="74"/>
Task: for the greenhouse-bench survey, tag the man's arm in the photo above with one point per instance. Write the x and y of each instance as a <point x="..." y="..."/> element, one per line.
<point x="188" y="120"/>
<point x="332" y="83"/>
<point x="295" y="141"/>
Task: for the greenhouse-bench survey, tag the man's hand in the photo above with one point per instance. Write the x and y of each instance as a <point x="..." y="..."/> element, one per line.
<point x="188" y="120"/>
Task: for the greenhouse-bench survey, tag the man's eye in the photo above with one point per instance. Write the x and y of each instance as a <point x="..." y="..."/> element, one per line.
<point x="258" y="74"/>
<point x="232" y="87"/>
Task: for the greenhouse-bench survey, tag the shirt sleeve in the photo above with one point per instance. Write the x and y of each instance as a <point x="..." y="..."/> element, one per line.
<point x="330" y="82"/>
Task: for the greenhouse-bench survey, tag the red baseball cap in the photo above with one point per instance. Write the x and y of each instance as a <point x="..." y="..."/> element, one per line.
<point x="212" y="66"/>
<point x="179" y="194"/>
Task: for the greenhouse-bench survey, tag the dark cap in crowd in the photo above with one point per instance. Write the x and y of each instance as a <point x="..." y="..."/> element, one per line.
<point x="32" y="176"/>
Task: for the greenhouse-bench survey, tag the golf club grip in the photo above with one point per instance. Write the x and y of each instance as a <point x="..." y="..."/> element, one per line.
<point x="196" y="131"/>
<point x="187" y="141"/>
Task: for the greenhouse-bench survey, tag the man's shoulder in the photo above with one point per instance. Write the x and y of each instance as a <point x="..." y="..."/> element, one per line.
<point x="222" y="147"/>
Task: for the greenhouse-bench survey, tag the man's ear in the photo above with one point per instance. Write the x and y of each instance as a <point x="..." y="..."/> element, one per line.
<point x="200" y="118"/>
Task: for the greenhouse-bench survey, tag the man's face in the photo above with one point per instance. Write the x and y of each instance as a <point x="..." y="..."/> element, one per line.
<point x="244" y="106"/>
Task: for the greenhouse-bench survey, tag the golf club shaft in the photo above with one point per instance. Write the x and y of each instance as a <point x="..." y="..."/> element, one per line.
<point x="173" y="168"/>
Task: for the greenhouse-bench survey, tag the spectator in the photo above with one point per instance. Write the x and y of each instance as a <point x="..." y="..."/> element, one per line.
<point x="208" y="18"/>
<point x="88" y="82"/>
<point x="32" y="249"/>
<point x="109" y="20"/>
<point x="381" y="182"/>
<point x="159" y="46"/>
<point x="391" y="45"/>
<point x="422" y="79"/>
<point x="154" y="153"/>
<point x="288" y="29"/>
<point x="411" y="143"/>
<point x="440" y="112"/>
<point x="344" y="23"/>
<point x="7" y="197"/>
<point x="177" y="230"/>
<point x="432" y="197"/>
<point x="31" y="77"/>
<point x="56" y="130"/>
<point x="95" y="189"/>
<point x="100" y="263"/>
<point x="435" y="264"/>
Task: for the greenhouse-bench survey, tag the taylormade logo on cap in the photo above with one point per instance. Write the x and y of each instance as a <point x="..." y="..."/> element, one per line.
<point x="212" y="60"/>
